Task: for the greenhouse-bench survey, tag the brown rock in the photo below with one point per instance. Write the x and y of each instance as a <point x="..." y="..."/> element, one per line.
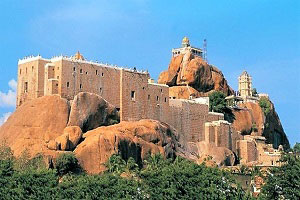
<point x="219" y="155"/>
<point x="194" y="71"/>
<point x="130" y="139"/>
<point x="89" y="111"/>
<point x="35" y="123"/>
<point x="52" y="145"/>
<point x="243" y="121"/>
<point x="63" y="142"/>
<point x="183" y="92"/>
<point x="252" y="120"/>
<point x="74" y="135"/>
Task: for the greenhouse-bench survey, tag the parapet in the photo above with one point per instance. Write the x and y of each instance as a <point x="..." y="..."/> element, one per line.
<point x="30" y="59"/>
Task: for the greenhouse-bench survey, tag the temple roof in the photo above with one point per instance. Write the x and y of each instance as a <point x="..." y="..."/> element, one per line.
<point x="185" y="40"/>
<point x="78" y="56"/>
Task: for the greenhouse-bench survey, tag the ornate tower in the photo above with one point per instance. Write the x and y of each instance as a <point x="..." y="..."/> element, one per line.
<point x="245" y="85"/>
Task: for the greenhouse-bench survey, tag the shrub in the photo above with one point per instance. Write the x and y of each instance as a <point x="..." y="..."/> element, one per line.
<point x="265" y="105"/>
<point x="217" y="103"/>
<point x="66" y="163"/>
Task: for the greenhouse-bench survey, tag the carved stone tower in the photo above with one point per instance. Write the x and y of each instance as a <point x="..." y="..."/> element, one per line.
<point x="245" y="85"/>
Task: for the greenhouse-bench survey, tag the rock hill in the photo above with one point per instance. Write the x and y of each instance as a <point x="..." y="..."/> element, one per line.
<point x="190" y="75"/>
<point x="187" y="69"/>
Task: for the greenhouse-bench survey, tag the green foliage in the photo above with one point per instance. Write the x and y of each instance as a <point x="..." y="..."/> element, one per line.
<point x="106" y="186"/>
<point x="154" y="162"/>
<point x="6" y="160"/>
<point x="296" y="148"/>
<point x="265" y="105"/>
<point x="283" y="182"/>
<point x="182" y="179"/>
<point x="67" y="163"/>
<point x="217" y="103"/>
<point x="115" y="164"/>
<point x="159" y="179"/>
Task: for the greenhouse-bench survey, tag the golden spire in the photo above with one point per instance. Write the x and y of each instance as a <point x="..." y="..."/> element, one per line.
<point x="185" y="40"/>
<point x="78" y="56"/>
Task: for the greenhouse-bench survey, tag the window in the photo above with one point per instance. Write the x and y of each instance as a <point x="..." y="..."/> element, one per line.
<point x="86" y="72"/>
<point x="148" y="96"/>
<point x="32" y="68"/>
<point x="57" y="77"/>
<point x="160" y="90"/>
<point x="102" y="74"/>
<point x="132" y="95"/>
<point x="26" y="70"/>
<point x="96" y="72"/>
<point x="157" y="98"/>
<point x="20" y="71"/>
<point x="165" y="99"/>
<point x="74" y="69"/>
<point x="100" y="90"/>
<point x="81" y="71"/>
<point x="68" y="84"/>
<point x="26" y="87"/>
<point x="80" y="86"/>
<point x="143" y="88"/>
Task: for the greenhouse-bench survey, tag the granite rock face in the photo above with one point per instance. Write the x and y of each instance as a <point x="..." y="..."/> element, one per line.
<point x="90" y="111"/>
<point x="35" y="123"/>
<point x="251" y="120"/>
<point x="187" y="69"/>
<point x="134" y="139"/>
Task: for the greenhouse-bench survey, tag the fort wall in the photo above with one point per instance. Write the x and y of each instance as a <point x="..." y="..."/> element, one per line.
<point x="136" y="98"/>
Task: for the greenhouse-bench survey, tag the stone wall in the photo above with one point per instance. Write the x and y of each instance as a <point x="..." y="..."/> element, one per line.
<point x="142" y="100"/>
<point x="219" y="133"/>
<point x="189" y="117"/>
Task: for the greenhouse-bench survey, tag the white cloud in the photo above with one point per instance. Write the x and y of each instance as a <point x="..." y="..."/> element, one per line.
<point x="9" y="99"/>
<point x="4" y="117"/>
<point x="13" y="84"/>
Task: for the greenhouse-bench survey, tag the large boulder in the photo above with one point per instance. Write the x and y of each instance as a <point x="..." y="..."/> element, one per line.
<point x="187" y="69"/>
<point x="90" y="111"/>
<point x="34" y="124"/>
<point x="74" y="135"/>
<point x="134" y="139"/>
<point x="209" y="152"/>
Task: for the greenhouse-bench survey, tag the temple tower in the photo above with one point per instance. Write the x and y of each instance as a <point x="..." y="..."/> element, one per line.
<point x="245" y="85"/>
<point x="186" y="47"/>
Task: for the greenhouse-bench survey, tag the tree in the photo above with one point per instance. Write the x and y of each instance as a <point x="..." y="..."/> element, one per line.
<point x="265" y="105"/>
<point x="217" y="103"/>
<point x="183" y="179"/>
<point x="105" y="186"/>
<point x="297" y="148"/>
<point x="66" y="163"/>
<point x="283" y="182"/>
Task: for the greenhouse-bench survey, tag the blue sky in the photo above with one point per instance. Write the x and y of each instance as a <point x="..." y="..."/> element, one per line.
<point x="262" y="37"/>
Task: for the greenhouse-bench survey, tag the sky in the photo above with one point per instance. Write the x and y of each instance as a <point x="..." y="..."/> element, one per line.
<point x="260" y="36"/>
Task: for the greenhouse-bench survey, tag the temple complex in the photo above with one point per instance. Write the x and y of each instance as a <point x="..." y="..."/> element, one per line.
<point x="136" y="96"/>
<point x="186" y="47"/>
